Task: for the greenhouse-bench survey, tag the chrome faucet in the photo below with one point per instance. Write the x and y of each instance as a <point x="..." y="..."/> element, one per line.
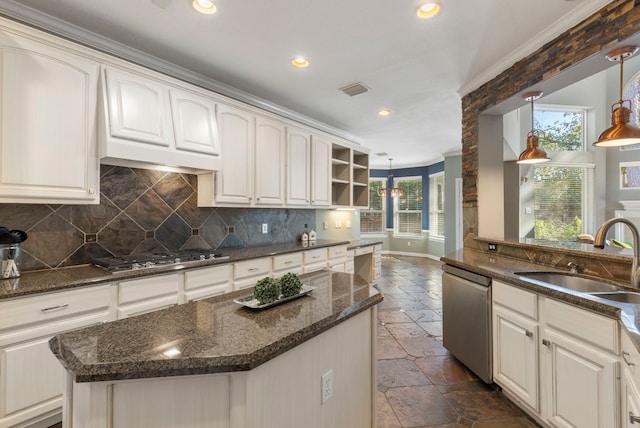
<point x="600" y="241"/>
<point x="573" y="266"/>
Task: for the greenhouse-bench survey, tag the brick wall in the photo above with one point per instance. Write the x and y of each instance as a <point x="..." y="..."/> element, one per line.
<point x="616" y="22"/>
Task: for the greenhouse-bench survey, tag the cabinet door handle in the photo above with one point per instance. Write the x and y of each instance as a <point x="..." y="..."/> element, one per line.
<point x="288" y="262"/>
<point x="529" y="333"/>
<point x="633" y="419"/>
<point x="54" y="308"/>
<point x="253" y="269"/>
<point x="546" y="342"/>
<point x="624" y="357"/>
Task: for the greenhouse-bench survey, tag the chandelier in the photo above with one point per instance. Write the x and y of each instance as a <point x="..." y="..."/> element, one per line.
<point x="394" y="192"/>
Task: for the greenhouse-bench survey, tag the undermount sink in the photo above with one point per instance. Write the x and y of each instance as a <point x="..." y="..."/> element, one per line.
<point x="621" y="296"/>
<point x="568" y="280"/>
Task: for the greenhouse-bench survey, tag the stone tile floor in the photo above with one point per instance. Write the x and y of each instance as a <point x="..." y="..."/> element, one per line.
<point x="419" y="384"/>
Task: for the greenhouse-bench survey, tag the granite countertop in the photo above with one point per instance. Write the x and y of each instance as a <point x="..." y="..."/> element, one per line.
<point x="362" y="243"/>
<point x="504" y="268"/>
<point x="214" y="335"/>
<point x="35" y="282"/>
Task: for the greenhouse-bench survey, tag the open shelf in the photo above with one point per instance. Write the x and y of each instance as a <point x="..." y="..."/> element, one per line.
<point x="340" y="193"/>
<point x="340" y="153"/>
<point x="341" y="172"/>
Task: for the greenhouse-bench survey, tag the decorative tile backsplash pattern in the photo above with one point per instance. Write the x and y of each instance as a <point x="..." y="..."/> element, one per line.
<point x="142" y="211"/>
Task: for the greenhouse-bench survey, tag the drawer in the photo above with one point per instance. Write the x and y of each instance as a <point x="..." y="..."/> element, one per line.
<point x="313" y="267"/>
<point x="516" y="299"/>
<point x="198" y="278"/>
<point x="582" y="324"/>
<point x="255" y="267"/>
<point x="52" y="306"/>
<point x="147" y="288"/>
<point x="363" y="250"/>
<point x="287" y="261"/>
<point x="247" y="282"/>
<point x="339" y="251"/>
<point x="315" y="256"/>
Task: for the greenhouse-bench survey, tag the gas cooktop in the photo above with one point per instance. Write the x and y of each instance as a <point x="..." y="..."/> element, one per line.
<point x="146" y="261"/>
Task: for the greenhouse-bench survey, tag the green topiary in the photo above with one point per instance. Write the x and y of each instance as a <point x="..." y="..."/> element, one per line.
<point x="267" y="290"/>
<point x="290" y="284"/>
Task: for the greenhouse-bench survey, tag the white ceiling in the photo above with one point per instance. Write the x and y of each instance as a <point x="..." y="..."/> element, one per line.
<point x="416" y="68"/>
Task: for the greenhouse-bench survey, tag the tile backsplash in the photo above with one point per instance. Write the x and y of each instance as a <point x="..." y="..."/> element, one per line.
<point x="142" y="211"/>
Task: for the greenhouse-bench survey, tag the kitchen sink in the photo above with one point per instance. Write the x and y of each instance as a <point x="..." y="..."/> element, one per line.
<point x="621" y="296"/>
<point x="568" y="280"/>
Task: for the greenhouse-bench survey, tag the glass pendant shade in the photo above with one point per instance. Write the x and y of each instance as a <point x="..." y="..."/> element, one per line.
<point x="533" y="153"/>
<point x="621" y="132"/>
<point x="394" y="192"/>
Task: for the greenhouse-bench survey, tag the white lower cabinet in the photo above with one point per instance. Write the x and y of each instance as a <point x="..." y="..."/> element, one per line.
<point x="560" y="362"/>
<point x="286" y="263"/>
<point x="630" y="382"/>
<point x="140" y="296"/>
<point x="207" y="282"/>
<point x="247" y="274"/>
<point x="338" y="258"/>
<point x="314" y="260"/>
<point x="30" y="375"/>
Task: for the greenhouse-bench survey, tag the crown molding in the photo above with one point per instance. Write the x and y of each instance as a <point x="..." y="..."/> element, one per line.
<point x="34" y="18"/>
<point x="559" y="26"/>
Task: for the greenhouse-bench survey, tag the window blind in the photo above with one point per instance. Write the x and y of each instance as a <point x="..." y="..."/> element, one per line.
<point x="409" y="207"/>
<point x="372" y="219"/>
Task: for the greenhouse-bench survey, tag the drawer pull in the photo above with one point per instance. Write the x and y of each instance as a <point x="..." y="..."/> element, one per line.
<point x="546" y="342"/>
<point x="624" y="357"/>
<point x="54" y="308"/>
<point x="253" y="269"/>
<point x="288" y="262"/>
<point x="529" y="333"/>
<point x="633" y="419"/>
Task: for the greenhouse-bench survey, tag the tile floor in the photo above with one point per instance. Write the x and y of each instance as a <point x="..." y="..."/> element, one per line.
<point x="419" y="384"/>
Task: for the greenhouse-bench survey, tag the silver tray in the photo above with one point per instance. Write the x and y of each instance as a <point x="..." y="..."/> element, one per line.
<point x="252" y="303"/>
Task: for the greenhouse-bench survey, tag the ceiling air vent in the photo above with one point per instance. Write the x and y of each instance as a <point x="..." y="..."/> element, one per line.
<point x="354" y="89"/>
<point x="385" y="154"/>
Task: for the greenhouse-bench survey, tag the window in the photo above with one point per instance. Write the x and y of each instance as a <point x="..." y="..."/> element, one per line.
<point x="372" y="220"/>
<point x="562" y="192"/>
<point x="408" y="208"/>
<point x="560" y="201"/>
<point x="436" y="205"/>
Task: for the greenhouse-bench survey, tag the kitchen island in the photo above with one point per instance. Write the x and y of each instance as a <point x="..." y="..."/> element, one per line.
<point x="212" y="363"/>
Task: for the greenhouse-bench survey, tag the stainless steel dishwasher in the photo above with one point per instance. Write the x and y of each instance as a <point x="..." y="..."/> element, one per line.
<point x="466" y="319"/>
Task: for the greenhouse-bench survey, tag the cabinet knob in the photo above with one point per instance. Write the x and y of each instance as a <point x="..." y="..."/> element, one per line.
<point x="633" y="419"/>
<point x="546" y="342"/>
<point x="257" y="199"/>
<point x="624" y="357"/>
<point x="92" y="190"/>
<point x="529" y="333"/>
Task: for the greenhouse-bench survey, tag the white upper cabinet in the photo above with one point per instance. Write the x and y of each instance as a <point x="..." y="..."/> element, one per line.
<point x="269" y="162"/>
<point x="48" y="124"/>
<point x="149" y="119"/>
<point x="137" y="109"/>
<point x="320" y="172"/>
<point x="298" y="163"/>
<point x="194" y="123"/>
<point x="234" y="182"/>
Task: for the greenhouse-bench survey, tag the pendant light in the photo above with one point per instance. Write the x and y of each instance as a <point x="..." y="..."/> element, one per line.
<point x="621" y="132"/>
<point x="533" y="153"/>
<point x="394" y="192"/>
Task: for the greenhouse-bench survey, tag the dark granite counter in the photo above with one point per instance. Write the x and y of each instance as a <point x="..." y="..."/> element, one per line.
<point x="504" y="268"/>
<point x="213" y="335"/>
<point x="43" y="281"/>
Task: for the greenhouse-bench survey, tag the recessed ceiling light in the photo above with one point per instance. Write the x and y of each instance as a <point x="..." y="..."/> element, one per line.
<point x="300" y="62"/>
<point x="428" y="10"/>
<point x="384" y="112"/>
<point x="204" y="6"/>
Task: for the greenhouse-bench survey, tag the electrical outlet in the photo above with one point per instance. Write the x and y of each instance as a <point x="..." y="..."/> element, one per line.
<point x="493" y="247"/>
<point x="348" y="224"/>
<point x="325" y="224"/>
<point x="265" y="228"/>
<point x="327" y="385"/>
<point x="408" y="243"/>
